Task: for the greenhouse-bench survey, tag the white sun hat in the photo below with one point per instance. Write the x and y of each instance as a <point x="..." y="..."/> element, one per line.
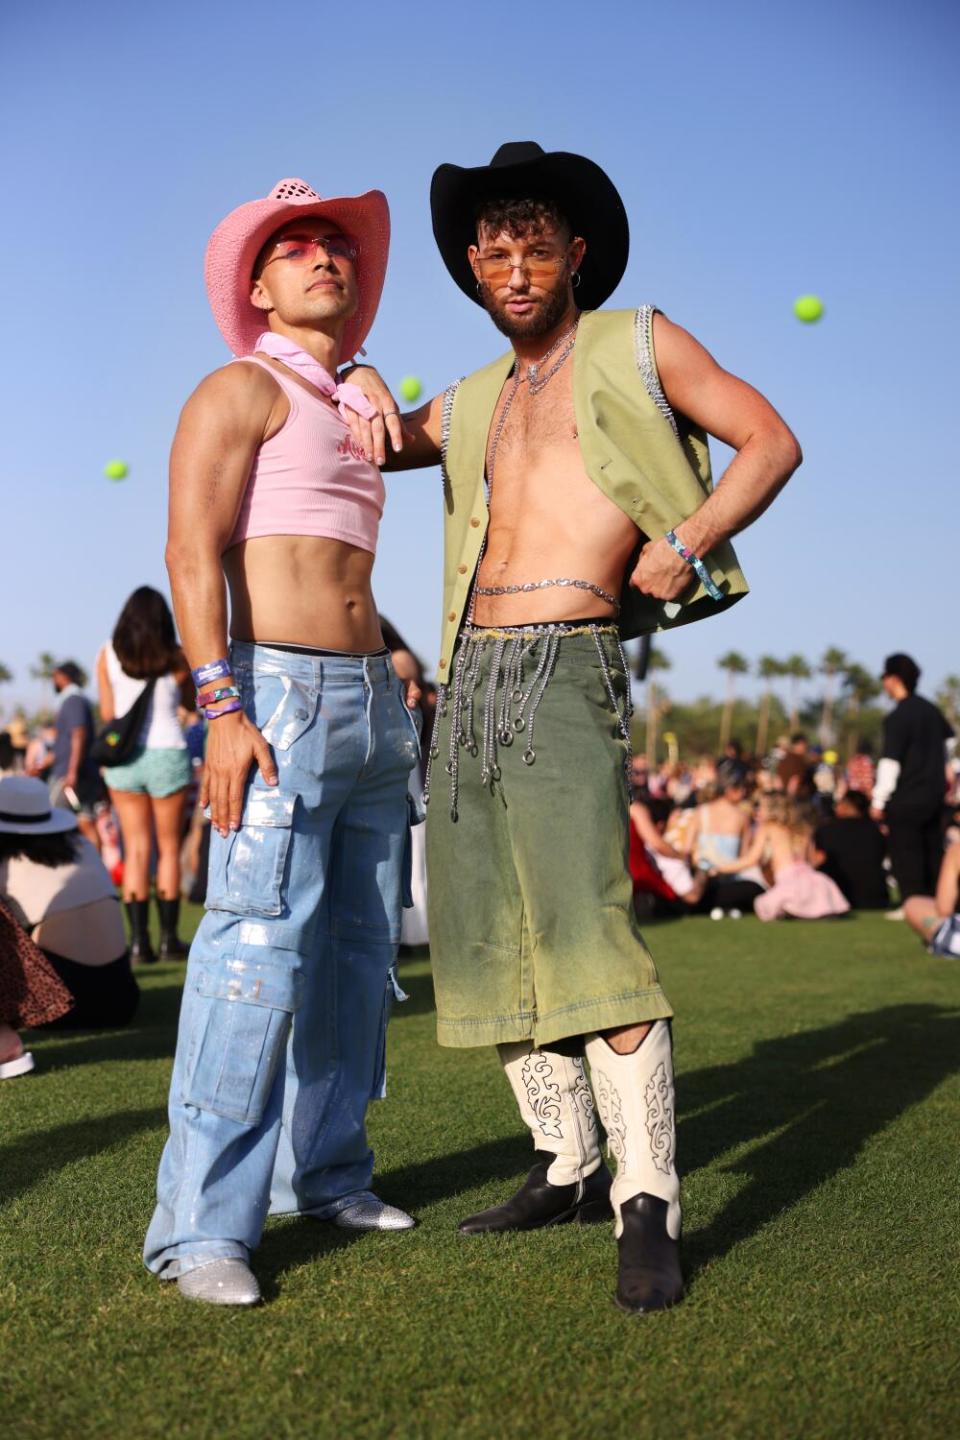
<point x="25" y="809"/>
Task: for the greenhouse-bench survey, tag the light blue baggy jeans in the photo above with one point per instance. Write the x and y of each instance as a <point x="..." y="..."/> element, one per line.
<point x="283" y="1023"/>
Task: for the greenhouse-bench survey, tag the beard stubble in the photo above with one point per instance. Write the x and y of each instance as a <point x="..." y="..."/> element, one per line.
<point x="545" y="320"/>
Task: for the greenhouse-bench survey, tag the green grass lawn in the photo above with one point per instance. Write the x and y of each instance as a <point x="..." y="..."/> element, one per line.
<point x="819" y="1107"/>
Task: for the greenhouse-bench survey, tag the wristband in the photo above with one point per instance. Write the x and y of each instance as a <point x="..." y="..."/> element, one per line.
<point x="227" y="710"/>
<point x="213" y="670"/>
<point x="225" y="692"/>
<point x="695" y="563"/>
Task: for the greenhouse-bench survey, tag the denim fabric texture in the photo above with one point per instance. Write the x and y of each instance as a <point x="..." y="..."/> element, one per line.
<point x="290" y="979"/>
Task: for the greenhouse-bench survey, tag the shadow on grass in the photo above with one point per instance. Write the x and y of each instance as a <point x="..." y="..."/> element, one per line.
<point x="820" y="1096"/>
<point x="296" y="1242"/>
<point x="26" y="1162"/>
<point x="413" y="1187"/>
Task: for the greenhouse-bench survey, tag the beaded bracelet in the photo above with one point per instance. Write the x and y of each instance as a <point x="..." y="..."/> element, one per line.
<point x="695" y="563"/>
<point x="225" y="692"/>
<point x="227" y="710"/>
<point x="213" y="670"/>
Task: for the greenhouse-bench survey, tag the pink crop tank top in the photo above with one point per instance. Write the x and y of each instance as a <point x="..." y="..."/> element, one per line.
<point x="310" y="478"/>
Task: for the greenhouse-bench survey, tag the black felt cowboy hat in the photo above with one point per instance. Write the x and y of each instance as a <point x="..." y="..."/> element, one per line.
<point x="522" y="170"/>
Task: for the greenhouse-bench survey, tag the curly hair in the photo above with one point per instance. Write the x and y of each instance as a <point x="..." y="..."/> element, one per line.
<point x="517" y="217"/>
<point x="144" y="639"/>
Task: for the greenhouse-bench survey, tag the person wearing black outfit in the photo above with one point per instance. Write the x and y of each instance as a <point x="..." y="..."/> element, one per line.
<point x="851" y="851"/>
<point x="911" y="779"/>
<point x="75" y="783"/>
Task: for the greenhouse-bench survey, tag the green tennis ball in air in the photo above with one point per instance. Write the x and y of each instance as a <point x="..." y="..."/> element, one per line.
<point x="808" y="308"/>
<point x="116" y="469"/>
<point x="411" y="388"/>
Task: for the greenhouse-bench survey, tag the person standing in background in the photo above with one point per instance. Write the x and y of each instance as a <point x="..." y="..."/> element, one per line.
<point x="911" y="779"/>
<point x="149" y="792"/>
<point x="75" y="782"/>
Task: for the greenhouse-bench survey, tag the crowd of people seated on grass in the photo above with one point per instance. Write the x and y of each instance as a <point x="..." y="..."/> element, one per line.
<point x="794" y="836"/>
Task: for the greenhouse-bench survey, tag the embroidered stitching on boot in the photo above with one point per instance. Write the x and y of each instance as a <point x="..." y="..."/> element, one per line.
<point x="543" y="1094"/>
<point x="659" y="1121"/>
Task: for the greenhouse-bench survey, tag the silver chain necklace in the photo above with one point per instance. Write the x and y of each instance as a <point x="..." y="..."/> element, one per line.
<point x="534" y="380"/>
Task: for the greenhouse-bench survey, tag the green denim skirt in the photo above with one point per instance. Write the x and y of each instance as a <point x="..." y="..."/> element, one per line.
<point x="532" y="929"/>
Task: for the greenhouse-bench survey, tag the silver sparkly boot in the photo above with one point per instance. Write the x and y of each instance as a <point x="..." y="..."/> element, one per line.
<point x="221" y="1282"/>
<point x="369" y="1212"/>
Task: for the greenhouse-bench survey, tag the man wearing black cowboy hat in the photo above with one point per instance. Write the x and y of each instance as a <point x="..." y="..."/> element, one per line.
<point x="579" y="512"/>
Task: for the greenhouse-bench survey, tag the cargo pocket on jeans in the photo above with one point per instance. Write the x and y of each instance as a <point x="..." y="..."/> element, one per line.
<point x="249" y="1010"/>
<point x="247" y="867"/>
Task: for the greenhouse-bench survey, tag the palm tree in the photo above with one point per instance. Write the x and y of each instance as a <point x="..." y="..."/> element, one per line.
<point x="769" y="668"/>
<point x="657" y="660"/>
<point x="735" y="664"/>
<point x="861" y="687"/>
<point x="45" y="666"/>
<point x="948" y="698"/>
<point x="832" y="663"/>
<point x="797" y="669"/>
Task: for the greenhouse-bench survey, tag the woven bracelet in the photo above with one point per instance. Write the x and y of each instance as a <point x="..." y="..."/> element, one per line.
<point x="695" y="563"/>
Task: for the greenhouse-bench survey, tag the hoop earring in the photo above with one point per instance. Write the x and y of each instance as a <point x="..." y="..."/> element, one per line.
<point x="575" y="282"/>
<point x="479" y="288"/>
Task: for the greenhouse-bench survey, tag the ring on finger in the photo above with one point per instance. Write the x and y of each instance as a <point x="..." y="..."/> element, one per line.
<point x="390" y="412"/>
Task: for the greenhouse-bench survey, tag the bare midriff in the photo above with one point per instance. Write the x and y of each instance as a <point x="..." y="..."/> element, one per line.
<point x="548" y="520"/>
<point x="302" y="590"/>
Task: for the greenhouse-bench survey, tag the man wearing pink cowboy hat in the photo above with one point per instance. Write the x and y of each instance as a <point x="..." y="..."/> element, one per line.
<point x="310" y="743"/>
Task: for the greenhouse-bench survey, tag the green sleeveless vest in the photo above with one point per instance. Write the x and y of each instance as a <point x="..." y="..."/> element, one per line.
<point x="651" y="463"/>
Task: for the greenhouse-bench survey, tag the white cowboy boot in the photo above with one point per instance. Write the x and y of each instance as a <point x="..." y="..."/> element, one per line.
<point x="569" y="1180"/>
<point x="635" y="1097"/>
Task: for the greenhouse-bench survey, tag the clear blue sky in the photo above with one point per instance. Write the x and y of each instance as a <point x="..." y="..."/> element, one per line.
<point x="762" y="151"/>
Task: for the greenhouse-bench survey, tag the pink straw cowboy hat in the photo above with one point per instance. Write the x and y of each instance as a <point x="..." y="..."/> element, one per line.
<point x="238" y="240"/>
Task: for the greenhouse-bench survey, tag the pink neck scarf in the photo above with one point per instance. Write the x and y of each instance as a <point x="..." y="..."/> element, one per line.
<point x="288" y="352"/>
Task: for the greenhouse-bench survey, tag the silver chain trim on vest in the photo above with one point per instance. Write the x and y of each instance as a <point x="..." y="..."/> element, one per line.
<point x="446" y="420"/>
<point x="647" y="365"/>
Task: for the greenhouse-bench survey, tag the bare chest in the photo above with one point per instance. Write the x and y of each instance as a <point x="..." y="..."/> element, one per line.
<point x="532" y="428"/>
